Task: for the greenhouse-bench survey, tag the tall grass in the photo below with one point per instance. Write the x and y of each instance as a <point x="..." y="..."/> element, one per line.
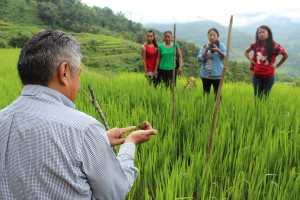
<point x="255" y="152"/>
<point x="10" y="84"/>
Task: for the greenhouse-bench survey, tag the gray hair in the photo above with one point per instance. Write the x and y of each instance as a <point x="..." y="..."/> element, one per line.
<point x="41" y="57"/>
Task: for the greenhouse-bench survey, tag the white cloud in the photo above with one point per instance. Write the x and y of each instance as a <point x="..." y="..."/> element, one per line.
<point x="243" y="20"/>
<point x="165" y="11"/>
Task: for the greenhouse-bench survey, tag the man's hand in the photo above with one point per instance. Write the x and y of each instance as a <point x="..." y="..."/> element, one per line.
<point x="116" y="135"/>
<point x="141" y="136"/>
<point x="145" y="126"/>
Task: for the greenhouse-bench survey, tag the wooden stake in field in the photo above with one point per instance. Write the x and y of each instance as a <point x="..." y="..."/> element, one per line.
<point x="219" y="92"/>
<point x="97" y="107"/>
<point x="174" y="66"/>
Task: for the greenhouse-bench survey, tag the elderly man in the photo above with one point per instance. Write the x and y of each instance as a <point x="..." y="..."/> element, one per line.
<point x="49" y="150"/>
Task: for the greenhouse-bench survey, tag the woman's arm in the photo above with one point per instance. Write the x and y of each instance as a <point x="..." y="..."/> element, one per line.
<point x="157" y="63"/>
<point x="285" y="55"/>
<point x="144" y="61"/>
<point x="205" y="51"/>
<point x="180" y="62"/>
<point x="202" y="53"/>
<point x="246" y="53"/>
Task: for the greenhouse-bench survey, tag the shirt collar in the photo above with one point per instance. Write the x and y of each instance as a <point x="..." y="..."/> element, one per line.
<point x="39" y="90"/>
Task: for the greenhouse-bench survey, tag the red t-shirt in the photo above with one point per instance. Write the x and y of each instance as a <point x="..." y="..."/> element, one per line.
<point x="151" y="56"/>
<point x="262" y="68"/>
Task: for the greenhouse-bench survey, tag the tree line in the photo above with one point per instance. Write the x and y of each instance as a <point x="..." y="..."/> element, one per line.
<point x="68" y="15"/>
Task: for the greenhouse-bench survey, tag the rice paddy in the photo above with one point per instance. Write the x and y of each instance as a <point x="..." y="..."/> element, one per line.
<point x="255" y="152"/>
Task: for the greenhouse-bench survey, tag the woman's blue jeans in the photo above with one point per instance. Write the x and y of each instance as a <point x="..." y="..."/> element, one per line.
<point x="262" y="86"/>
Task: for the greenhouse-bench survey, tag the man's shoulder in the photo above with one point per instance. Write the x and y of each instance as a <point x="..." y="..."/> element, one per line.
<point x="74" y="118"/>
<point x="76" y="115"/>
<point x="44" y="111"/>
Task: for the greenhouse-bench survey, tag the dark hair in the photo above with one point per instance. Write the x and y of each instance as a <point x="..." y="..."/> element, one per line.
<point x="270" y="42"/>
<point x="41" y="57"/>
<point x="154" y="40"/>
<point x="217" y="42"/>
<point x="168" y="32"/>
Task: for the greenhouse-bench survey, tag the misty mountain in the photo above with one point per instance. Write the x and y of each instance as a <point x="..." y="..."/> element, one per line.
<point x="283" y="29"/>
<point x="285" y="32"/>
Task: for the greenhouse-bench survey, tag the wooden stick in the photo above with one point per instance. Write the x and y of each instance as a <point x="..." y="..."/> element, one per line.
<point x="174" y="66"/>
<point x="216" y="109"/>
<point x="97" y="107"/>
<point x="219" y="93"/>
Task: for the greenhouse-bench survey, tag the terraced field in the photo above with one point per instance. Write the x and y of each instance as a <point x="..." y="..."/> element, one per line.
<point x="101" y="52"/>
<point x="98" y="47"/>
<point x="7" y="31"/>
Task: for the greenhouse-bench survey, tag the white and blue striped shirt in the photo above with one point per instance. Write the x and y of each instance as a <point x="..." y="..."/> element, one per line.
<point x="50" y="150"/>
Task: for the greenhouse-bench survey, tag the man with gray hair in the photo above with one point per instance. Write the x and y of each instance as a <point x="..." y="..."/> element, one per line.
<point x="50" y="150"/>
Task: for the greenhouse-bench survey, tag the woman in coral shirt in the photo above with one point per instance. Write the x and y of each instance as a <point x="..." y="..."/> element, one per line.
<point x="149" y="55"/>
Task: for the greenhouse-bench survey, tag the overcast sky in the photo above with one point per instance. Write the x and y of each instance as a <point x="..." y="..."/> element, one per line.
<point x="165" y="11"/>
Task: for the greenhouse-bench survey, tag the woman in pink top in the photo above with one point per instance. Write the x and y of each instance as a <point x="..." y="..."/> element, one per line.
<point x="149" y="55"/>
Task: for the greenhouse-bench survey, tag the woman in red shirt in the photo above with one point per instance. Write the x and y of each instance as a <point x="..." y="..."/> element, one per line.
<point x="265" y="52"/>
<point x="149" y="55"/>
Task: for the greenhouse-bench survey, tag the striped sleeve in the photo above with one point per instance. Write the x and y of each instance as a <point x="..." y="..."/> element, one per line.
<point x="109" y="176"/>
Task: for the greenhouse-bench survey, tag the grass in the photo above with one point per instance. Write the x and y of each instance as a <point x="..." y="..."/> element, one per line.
<point x="8" y="31"/>
<point x="255" y="152"/>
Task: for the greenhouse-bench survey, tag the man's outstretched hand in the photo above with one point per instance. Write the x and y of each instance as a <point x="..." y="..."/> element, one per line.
<point x="140" y="136"/>
<point x="116" y="135"/>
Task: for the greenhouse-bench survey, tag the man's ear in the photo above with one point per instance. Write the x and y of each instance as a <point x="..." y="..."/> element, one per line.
<point x="63" y="73"/>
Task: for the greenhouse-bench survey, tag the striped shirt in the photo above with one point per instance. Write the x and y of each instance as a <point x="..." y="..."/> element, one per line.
<point x="50" y="150"/>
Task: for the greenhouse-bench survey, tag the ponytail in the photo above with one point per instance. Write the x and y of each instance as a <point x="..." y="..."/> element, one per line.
<point x="155" y="43"/>
<point x="217" y="42"/>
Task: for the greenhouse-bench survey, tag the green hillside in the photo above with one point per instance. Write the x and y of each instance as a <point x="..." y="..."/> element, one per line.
<point x="109" y="40"/>
<point x="102" y="41"/>
<point x="69" y="15"/>
<point x="100" y="51"/>
<point x="9" y="33"/>
<point x="103" y="52"/>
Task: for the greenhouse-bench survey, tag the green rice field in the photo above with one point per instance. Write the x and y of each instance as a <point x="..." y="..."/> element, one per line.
<point x="256" y="146"/>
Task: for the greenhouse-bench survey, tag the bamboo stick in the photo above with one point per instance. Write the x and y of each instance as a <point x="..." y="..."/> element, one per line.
<point x="174" y="66"/>
<point x="219" y="93"/>
<point x="216" y="108"/>
<point x="99" y="110"/>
